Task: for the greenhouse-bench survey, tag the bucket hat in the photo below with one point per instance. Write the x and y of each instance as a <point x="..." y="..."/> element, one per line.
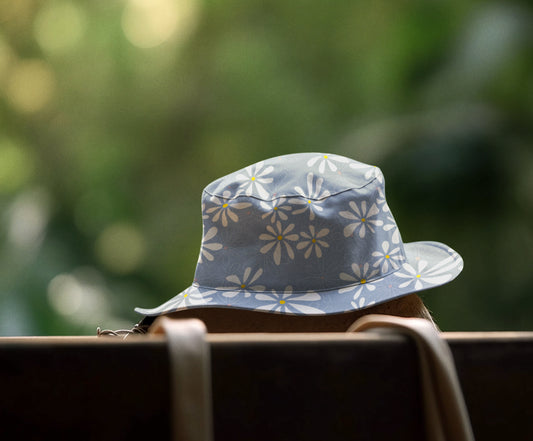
<point x="306" y="234"/>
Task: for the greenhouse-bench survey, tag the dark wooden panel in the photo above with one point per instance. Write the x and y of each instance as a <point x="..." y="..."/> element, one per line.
<point x="496" y="375"/>
<point x="83" y="391"/>
<point x="283" y="388"/>
<point x="316" y="391"/>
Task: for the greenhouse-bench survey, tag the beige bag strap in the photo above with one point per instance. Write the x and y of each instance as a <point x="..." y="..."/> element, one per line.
<point x="190" y="368"/>
<point x="446" y="414"/>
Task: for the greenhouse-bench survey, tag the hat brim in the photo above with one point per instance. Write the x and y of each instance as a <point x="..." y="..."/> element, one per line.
<point x="427" y="265"/>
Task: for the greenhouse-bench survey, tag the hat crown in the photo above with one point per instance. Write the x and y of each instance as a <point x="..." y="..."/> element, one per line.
<point x="288" y="175"/>
<point x="310" y="221"/>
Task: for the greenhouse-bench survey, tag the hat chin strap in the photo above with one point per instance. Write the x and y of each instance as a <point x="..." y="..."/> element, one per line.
<point x="190" y="364"/>
<point x="446" y="414"/>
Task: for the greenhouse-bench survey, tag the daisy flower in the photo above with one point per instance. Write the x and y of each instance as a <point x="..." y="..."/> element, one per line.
<point x="371" y="171"/>
<point x="243" y="285"/>
<point x="359" y="280"/>
<point x="276" y="209"/>
<point x="382" y="201"/>
<point x="388" y="257"/>
<point x="326" y="160"/>
<point x="254" y="179"/>
<point x="190" y="297"/>
<point x="276" y="237"/>
<point x="312" y="199"/>
<point x="211" y="233"/>
<point x="362" y="217"/>
<point x="423" y="276"/>
<point x="289" y="302"/>
<point x="223" y="206"/>
<point x="204" y="215"/>
<point x="361" y="303"/>
<point x="313" y="240"/>
<point x="390" y="225"/>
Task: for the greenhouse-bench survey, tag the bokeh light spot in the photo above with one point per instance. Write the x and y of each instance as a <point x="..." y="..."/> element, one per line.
<point x="65" y="294"/>
<point x="18" y="12"/>
<point x="30" y="85"/>
<point x="59" y="26"/>
<point x="79" y="296"/>
<point x="6" y="58"/>
<point x="16" y="166"/>
<point x="121" y="248"/>
<point x="149" y="23"/>
<point x="28" y="218"/>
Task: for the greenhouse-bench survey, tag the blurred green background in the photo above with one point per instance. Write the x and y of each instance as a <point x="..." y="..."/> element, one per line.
<point x="115" y="114"/>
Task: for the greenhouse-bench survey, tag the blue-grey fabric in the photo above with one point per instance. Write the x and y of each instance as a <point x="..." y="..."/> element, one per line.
<point x="306" y="234"/>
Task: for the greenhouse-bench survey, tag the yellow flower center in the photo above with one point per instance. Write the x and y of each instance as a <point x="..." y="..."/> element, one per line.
<point x="387" y="257"/>
<point x="325" y="156"/>
<point x="243" y="286"/>
<point x="418" y="276"/>
<point x="253" y="178"/>
<point x="225" y="206"/>
<point x="282" y="302"/>
<point x="309" y="201"/>
<point x="280" y="237"/>
<point x="363" y="281"/>
<point x="363" y="220"/>
<point x="313" y="240"/>
<point x="185" y="295"/>
<point x="275" y="208"/>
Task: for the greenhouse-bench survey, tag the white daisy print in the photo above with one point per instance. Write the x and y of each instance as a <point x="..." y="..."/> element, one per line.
<point x="254" y="179"/>
<point x="360" y="279"/>
<point x="387" y="257"/>
<point x="362" y="217"/>
<point x="223" y="208"/>
<point x="204" y="215"/>
<point x="276" y="238"/>
<point x="275" y="209"/>
<point x="207" y="247"/>
<point x="313" y="239"/>
<point x="458" y="259"/>
<point x="289" y="302"/>
<point x="361" y="303"/>
<point x="423" y="276"/>
<point x="312" y="199"/>
<point x="371" y="171"/>
<point x="390" y="225"/>
<point x="324" y="161"/>
<point x="190" y="297"/>
<point x="245" y="284"/>
<point x="382" y="201"/>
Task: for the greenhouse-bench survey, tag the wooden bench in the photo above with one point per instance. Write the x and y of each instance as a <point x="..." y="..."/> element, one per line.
<point x="267" y="387"/>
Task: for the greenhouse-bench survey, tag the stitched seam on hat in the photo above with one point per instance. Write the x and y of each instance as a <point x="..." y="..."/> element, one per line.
<point x="236" y="196"/>
<point x="230" y="289"/>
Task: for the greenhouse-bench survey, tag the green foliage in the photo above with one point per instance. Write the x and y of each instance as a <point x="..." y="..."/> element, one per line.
<point x="115" y="115"/>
